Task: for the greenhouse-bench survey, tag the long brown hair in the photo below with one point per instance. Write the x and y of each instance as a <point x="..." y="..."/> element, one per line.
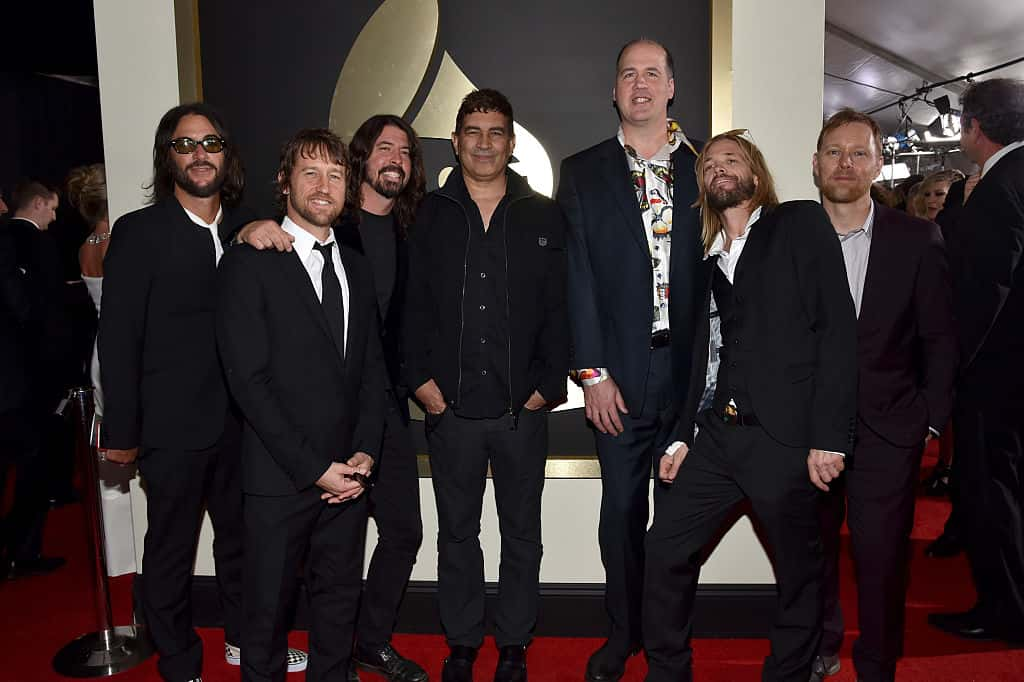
<point x="360" y="148"/>
<point x="764" y="193"/>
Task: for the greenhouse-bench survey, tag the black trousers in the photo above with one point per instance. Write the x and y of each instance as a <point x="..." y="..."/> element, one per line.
<point x="626" y="461"/>
<point x="727" y="465"/>
<point x="21" y="530"/>
<point x="460" y="450"/>
<point x="179" y="486"/>
<point x="990" y="450"/>
<point x="394" y="503"/>
<point x="876" y="496"/>
<point x="281" y="531"/>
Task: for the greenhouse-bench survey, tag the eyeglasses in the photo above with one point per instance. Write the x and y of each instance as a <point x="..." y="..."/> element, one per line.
<point x="212" y="144"/>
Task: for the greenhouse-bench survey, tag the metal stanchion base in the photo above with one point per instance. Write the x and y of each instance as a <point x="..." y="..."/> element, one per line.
<point x="100" y="654"/>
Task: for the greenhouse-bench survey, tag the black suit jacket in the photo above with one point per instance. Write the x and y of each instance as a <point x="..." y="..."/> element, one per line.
<point x="796" y="328"/>
<point x="304" y="406"/>
<point x="15" y="309"/>
<point x="347" y="232"/>
<point x="986" y="245"/>
<point x="162" y="380"/>
<point x="610" y="274"/>
<point x="40" y="330"/>
<point x="906" y="342"/>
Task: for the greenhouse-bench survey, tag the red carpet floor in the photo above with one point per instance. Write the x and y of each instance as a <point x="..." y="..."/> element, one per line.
<point x="41" y="614"/>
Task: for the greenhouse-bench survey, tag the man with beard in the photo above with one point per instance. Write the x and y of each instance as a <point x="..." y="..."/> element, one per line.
<point x="298" y="334"/>
<point x="772" y="398"/>
<point x="165" y="400"/>
<point x="387" y="167"/>
<point x="906" y="361"/>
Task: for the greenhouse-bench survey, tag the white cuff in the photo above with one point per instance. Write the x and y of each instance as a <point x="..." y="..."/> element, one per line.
<point x="671" y="449"/>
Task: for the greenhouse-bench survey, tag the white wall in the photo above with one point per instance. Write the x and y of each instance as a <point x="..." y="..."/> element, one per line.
<point x="778" y="62"/>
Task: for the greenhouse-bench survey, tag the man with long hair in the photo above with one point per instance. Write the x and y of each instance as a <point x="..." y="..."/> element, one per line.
<point x="166" y="403"/>
<point x="771" y="399"/>
<point x="387" y="174"/>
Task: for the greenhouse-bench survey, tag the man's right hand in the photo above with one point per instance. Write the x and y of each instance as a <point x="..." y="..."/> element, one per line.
<point x="430" y="396"/>
<point x="603" y="403"/>
<point x="120" y="456"/>
<point x="340" y="486"/>
<point x="668" y="467"/>
<point x="265" y="234"/>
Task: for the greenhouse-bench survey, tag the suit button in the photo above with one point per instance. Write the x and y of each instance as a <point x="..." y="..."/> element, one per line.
<point x="483" y="307"/>
<point x="483" y="275"/>
<point x="483" y="340"/>
<point x="483" y="372"/>
<point x="736" y="342"/>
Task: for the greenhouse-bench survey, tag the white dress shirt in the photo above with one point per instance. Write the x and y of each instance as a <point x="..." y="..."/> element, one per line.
<point x="856" y="245"/>
<point x="994" y="159"/>
<point x="214" y="228"/>
<point x="727" y="260"/>
<point x="313" y="261"/>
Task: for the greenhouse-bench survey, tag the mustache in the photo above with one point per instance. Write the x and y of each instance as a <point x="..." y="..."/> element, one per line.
<point x="392" y="168"/>
<point x="200" y="164"/>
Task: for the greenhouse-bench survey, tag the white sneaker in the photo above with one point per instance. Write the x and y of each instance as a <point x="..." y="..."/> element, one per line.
<point x="297" y="658"/>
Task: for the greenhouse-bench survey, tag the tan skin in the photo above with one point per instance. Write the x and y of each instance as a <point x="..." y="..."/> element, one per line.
<point x="643" y="87"/>
<point x="196" y="127"/>
<point x="484" y="146"/>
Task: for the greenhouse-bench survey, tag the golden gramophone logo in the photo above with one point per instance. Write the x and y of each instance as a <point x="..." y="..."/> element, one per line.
<point x="385" y="69"/>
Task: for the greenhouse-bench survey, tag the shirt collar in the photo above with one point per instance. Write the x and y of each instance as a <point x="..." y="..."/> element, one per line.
<point x="27" y="220"/>
<point x="718" y="246"/>
<point x="673" y="141"/>
<point x="867" y="228"/>
<point x="304" y="241"/>
<point x="992" y="160"/>
<point x="202" y="223"/>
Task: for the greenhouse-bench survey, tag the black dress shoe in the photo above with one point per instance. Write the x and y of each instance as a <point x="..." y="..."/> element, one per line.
<point x="384" y="660"/>
<point x="945" y="546"/>
<point x="608" y="664"/>
<point x="968" y="624"/>
<point x="458" y="667"/>
<point x="511" y="664"/>
<point x="41" y="565"/>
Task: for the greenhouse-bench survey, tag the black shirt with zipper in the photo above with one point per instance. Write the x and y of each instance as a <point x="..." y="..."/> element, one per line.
<point x="486" y="314"/>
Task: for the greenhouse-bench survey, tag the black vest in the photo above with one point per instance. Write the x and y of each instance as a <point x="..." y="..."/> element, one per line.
<point x="731" y="382"/>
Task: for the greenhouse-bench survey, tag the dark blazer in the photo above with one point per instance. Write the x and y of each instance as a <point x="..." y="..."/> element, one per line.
<point x="41" y="326"/>
<point x="796" y="328"/>
<point x="610" y="275"/>
<point x="906" y="342"/>
<point x="15" y="309"/>
<point x="347" y="232"/>
<point x="537" y="321"/>
<point x="304" y="406"/>
<point x="162" y="381"/>
<point x="986" y="245"/>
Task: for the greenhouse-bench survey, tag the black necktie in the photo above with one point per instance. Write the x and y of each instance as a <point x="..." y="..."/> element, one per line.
<point x="331" y="300"/>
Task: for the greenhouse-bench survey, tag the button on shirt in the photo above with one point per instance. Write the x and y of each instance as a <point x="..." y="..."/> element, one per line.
<point x="214" y="228"/>
<point x="856" y="249"/>
<point x="313" y="261"/>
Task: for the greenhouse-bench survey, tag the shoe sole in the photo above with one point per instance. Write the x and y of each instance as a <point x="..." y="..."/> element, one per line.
<point x="377" y="671"/>
<point x="292" y="667"/>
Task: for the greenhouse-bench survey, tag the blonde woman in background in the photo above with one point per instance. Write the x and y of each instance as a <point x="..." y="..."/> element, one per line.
<point x="87" y="192"/>
<point x="931" y="194"/>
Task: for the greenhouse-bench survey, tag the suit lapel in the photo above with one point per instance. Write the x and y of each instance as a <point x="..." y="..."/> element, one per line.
<point x="616" y="176"/>
<point x="879" y="253"/>
<point x="297" y="276"/>
<point x="754" y="249"/>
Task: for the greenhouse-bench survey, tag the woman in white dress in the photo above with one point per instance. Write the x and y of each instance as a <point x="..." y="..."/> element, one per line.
<point x="87" y="191"/>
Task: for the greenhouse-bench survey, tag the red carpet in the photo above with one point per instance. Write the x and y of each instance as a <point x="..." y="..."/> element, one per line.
<point x="41" y="614"/>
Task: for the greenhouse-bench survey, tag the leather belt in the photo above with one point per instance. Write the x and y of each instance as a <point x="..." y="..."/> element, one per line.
<point x="732" y="417"/>
<point x="660" y="339"/>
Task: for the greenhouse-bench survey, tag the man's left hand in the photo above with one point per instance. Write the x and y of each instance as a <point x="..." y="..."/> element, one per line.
<point x="535" y="402"/>
<point x="363" y="464"/>
<point x="265" y="234"/>
<point x="824" y="467"/>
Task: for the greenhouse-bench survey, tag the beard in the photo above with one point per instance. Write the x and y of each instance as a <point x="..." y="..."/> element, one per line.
<point x="389" y="189"/>
<point x="324" y="217"/>
<point x="722" y="199"/>
<point x="843" y="194"/>
<point x="193" y="188"/>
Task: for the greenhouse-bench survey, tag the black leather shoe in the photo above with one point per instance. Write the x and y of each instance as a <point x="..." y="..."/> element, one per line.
<point x="967" y="624"/>
<point x="945" y="546"/>
<point x="458" y="667"/>
<point x="608" y="664"/>
<point x="384" y="660"/>
<point x="41" y="565"/>
<point x="511" y="664"/>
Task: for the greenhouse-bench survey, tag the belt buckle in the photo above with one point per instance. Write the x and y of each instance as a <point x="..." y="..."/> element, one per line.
<point x="730" y="414"/>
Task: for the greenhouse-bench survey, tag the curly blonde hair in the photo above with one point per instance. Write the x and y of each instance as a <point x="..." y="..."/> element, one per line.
<point x="87" y="191"/>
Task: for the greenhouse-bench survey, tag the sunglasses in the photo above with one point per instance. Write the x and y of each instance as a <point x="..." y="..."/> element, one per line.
<point x="212" y="144"/>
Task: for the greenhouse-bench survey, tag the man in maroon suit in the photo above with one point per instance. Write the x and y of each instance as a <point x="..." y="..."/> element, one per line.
<point x="906" y="355"/>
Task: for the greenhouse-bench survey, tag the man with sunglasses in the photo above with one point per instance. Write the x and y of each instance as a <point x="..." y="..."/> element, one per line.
<point x="165" y="399"/>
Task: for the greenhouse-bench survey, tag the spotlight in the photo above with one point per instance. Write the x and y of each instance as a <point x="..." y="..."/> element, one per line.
<point x="942" y="104"/>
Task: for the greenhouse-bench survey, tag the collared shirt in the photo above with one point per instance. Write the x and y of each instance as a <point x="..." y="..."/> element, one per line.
<point x="856" y="249"/>
<point x="313" y="261"/>
<point x="727" y="260"/>
<point x="994" y="159"/>
<point x="218" y="248"/>
<point x="652" y="179"/>
<point x="27" y="220"/>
